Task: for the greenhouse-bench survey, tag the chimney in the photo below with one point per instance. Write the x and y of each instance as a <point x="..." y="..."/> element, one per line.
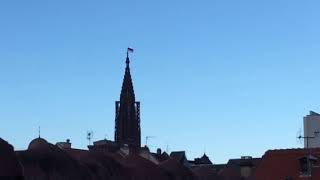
<point x="64" y="145"/>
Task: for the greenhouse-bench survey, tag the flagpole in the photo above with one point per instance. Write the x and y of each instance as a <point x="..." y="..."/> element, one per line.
<point x="131" y="51"/>
<point x="127" y="53"/>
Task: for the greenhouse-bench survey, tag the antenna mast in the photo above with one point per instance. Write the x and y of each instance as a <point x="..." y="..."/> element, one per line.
<point x="89" y="136"/>
<point x="39" y="132"/>
<point x="167" y="148"/>
<point x="147" y="138"/>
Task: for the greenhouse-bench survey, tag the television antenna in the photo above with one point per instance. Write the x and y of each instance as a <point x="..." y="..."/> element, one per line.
<point x="39" y="131"/>
<point x="89" y="136"/>
<point x="307" y="138"/>
<point x="147" y="138"/>
<point x="167" y="148"/>
<point x="299" y="134"/>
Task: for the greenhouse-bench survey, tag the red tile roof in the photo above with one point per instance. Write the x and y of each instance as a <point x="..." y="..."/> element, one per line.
<point x="50" y="162"/>
<point x="176" y="170"/>
<point x="281" y="164"/>
<point x="206" y="172"/>
<point x="119" y="167"/>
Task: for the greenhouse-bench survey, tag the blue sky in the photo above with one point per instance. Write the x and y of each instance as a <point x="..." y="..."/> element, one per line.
<point x="228" y="78"/>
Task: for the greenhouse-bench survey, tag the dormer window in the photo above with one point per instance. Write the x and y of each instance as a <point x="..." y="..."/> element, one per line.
<point x="306" y="164"/>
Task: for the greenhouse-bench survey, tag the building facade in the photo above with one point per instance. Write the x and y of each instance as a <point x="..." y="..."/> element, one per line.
<point x="311" y="125"/>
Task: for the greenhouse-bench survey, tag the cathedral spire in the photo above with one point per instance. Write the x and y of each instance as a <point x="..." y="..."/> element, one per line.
<point x="127" y="92"/>
<point x="127" y="125"/>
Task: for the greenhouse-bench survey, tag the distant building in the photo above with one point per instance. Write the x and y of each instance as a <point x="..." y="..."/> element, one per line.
<point x="239" y="169"/>
<point x="311" y="125"/>
<point x="161" y="156"/>
<point x="204" y="160"/>
<point x="64" y="145"/>
<point x="104" y="146"/>
<point x="43" y="160"/>
<point x="37" y="143"/>
<point x="145" y="153"/>
<point x="289" y="164"/>
<point x="180" y="157"/>
<point x="127" y="120"/>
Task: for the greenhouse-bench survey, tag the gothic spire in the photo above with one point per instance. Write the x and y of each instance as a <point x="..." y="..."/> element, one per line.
<point x="127" y="130"/>
<point x="127" y="92"/>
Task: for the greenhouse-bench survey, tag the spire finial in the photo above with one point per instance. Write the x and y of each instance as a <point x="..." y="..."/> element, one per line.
<point x="129" y="50"/>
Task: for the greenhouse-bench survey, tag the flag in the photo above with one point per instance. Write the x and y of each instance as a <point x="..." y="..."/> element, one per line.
<point x="130" y="50"/>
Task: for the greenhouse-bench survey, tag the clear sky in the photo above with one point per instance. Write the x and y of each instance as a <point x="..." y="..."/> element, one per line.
<point x="225" y="77"/>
